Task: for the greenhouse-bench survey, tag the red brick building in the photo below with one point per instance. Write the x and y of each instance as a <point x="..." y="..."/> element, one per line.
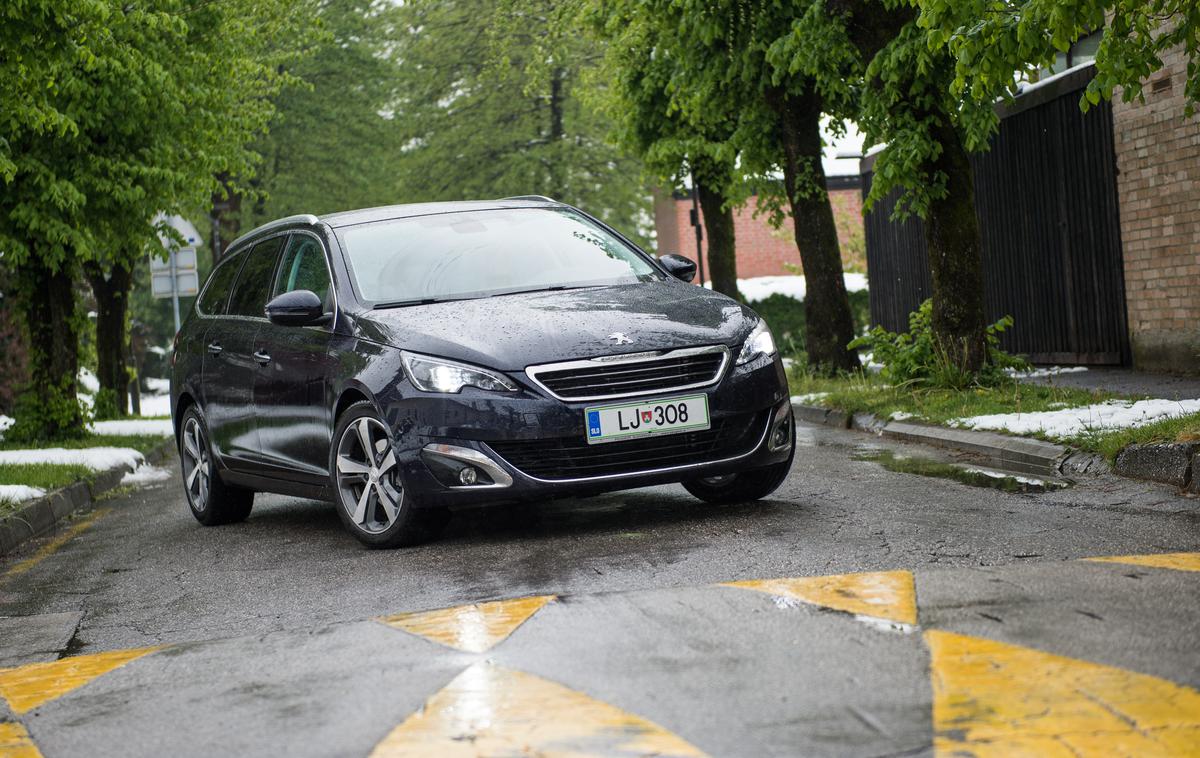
<point x="761" y="249"/>
<point x="1158" y="184"/>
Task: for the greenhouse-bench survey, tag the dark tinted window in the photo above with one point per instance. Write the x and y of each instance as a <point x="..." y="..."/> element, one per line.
<point x="303" y="268"/>
<point x="216" y="294"/>
<point x="250" y="292"/>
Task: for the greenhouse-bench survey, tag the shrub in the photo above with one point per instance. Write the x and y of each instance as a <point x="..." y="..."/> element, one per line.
<point x="915" y="357"/>
<point x="785" y="316"/>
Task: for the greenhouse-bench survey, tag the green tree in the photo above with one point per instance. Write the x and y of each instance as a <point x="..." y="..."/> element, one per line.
<point x="877" y="67"/>
<point x="331" y="144"/>
<point x="632" y="85"/>
<point x="724" y="70"/>
<point x="148" y="103"/>
<point x="992" y="45"/>
<point x="488" y="105"/>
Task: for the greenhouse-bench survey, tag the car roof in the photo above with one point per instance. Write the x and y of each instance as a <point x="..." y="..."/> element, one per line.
<point x="388" y="212"/>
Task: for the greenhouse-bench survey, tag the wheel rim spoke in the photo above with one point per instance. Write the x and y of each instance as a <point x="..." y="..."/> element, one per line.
<point x="370" y="495"/>
<point x="347" y="466"/>
<point x="191" y="477"/>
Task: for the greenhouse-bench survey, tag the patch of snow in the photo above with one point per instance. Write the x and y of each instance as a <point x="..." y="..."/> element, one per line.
<point x="156" y="405"/>
<point x="157" y="350"/>
<point x="1041" y="373"/>
<point x="811" y="397"/>
<point x="19" y="493"/>
<point x="762" y="287"/>
<point x="156" y="385"/>
<point x="5" y="422"/>
<point x="161" y="427"/>
<point x="1109" y="415"/>
<point x="901" y="415"/>
<point x="146" y="474"/>
<point x="88" y="381"/>
<point x="95" y="458"/>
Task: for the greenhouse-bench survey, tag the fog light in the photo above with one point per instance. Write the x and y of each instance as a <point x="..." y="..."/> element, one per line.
<point x="468" y="476"/>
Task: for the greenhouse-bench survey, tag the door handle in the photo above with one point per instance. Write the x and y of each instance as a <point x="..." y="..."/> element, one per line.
<point x="214" y="348"/>
<point x="262" y="358"/>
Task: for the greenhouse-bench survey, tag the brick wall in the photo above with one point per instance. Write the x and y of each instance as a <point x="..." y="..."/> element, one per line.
<point x="1158" y="188"/>
<point x="762" y="250"/>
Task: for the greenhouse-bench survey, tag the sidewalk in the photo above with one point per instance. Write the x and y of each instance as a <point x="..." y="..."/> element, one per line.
<point x="1126" y="381"/>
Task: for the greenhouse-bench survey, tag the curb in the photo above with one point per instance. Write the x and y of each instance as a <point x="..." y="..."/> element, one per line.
<point x="1174" y="463"/>
<point x="40" y="517"/>
<point x="1017" y="451"/>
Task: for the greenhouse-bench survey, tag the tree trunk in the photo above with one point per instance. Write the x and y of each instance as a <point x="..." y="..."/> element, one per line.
<point x="718" y="225"/>
<point x="111" y="289"/>
<point x="955" y="260"/>
<point x="226" y="217"/>
<point x="829" y="326"/>
<point x="49" y="409"/>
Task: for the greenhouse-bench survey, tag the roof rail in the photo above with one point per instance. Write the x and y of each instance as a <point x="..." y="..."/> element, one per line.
<point x="536" y="198"/>
<point x="302" y="218"/>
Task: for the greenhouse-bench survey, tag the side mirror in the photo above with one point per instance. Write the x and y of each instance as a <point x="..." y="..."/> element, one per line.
<point x="297" y="308"/>
<point x="681" y="268"/>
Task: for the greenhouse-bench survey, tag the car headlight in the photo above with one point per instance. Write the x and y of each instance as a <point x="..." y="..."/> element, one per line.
<point x="760" y="342"/>
<point x="430" y="374"/>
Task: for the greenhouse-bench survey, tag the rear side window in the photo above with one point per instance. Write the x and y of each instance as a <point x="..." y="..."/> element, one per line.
<point x="253" y="284"/>
<point x="216" y="293"/>
<point x="303" y="268"/>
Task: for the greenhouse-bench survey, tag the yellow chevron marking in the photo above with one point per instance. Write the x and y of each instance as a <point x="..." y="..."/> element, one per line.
<point x="889" y="595"/>
<point x="45" y="551"/>
<point x="16" y="743"/>
<point x="995" y="699"/>
<point x="473" y="628"/>
<point x="1177" y="561"/>
<point x="489" y="710"/>
<point x="27" y="687"/>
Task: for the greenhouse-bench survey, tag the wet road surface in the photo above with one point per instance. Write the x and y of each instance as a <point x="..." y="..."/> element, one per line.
<point x="858" y="611"/>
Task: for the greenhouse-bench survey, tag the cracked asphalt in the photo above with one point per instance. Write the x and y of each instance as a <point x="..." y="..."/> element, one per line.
<point x="273" y="618"/>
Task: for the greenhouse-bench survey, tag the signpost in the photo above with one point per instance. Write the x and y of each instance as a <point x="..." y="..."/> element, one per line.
<point x="176" y="276"/>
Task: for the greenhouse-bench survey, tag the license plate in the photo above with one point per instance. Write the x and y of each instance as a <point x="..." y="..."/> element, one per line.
<point x="609" y="423"/>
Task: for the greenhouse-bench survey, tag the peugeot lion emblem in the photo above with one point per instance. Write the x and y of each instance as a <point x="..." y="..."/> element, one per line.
<point x="620" y="338"/>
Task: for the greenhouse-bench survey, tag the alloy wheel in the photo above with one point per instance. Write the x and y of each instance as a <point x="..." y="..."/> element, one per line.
<point x="368" y="487"/>
<point x="197" y="467"/>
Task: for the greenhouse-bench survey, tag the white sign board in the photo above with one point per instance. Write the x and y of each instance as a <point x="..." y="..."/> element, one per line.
<point x="185" y="260"/>
<point x="187" y="283"/>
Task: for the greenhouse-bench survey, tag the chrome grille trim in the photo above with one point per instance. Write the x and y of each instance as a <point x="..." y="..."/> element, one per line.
<point x="631" y="359"/>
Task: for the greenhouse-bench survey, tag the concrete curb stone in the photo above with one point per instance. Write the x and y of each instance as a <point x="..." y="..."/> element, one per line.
<point x="1169" y="463"/>
<point x="1177" y="464"/>
<point x="40" y="516"/>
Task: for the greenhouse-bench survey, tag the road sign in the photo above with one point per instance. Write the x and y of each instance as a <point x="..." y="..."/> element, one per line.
<point x="176" y="276"/>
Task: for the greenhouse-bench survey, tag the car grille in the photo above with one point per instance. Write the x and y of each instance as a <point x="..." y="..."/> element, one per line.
<point x="562" y="458"/>
<point x="626" y="376"/>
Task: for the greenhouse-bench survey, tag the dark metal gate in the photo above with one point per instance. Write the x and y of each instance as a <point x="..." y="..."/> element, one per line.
<point x="1046" y="195"/>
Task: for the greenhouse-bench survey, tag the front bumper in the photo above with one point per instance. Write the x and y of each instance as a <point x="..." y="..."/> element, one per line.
<point x="436" y="435"/>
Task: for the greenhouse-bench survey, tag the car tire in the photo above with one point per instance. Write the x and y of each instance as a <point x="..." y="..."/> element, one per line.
<point x="368" y="491"/>
<point x="211" y="501"/>
<point x="742" y="487"/>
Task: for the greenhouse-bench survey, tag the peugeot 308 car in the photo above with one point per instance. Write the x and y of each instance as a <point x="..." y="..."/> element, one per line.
<point x="403" y="360"/>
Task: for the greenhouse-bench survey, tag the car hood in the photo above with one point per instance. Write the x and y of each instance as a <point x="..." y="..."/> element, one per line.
<point x="510" y="332"/>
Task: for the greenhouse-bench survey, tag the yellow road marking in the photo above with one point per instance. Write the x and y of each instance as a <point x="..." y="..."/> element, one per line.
<point x="15" y="742"/>
<point x="994" y="699"/>
<point x="489" y="710"/>
<point x="48" y="549"/>
<point x="1177" y="561"/>
<point x="27" y="687"/>
<point x="888" y="595"/>
<point x="473" y="628"/>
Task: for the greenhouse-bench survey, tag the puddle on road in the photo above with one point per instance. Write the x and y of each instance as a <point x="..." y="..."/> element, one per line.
<point x="969" y="475"/>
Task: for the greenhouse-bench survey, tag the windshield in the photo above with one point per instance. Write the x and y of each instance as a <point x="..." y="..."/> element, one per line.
<point x="478" y="253"/>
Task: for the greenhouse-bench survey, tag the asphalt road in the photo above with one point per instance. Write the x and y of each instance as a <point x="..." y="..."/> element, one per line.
<point x="912" y="615"/>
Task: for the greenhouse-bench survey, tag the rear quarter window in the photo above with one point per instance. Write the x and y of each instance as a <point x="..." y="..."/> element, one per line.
<point x="216" y="292"/>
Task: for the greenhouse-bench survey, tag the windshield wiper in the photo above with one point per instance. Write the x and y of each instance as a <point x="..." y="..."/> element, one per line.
<point x="554" y="288"/>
